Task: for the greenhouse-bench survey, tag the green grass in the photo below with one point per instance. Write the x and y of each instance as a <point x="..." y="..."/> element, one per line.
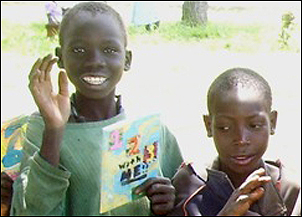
<point x="31" y="39"/>
<point x="180" y="32"/>
<point x="214" y="36"/>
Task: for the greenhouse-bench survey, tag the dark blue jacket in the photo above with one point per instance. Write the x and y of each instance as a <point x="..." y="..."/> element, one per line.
<point x="207" y="194"/>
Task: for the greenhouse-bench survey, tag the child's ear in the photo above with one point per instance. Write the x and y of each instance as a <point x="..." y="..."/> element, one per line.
<point x="273" y="121"/>
<point x="208" y="124"/>
<point x="128" y="60"/>
<point x="58" y="53"/>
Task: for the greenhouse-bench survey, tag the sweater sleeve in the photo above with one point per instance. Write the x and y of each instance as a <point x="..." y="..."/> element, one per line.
<point x="40" y="189"/>
<point x="171" y="157"/>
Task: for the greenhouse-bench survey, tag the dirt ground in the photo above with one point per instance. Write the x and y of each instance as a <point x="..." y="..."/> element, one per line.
<point x="172" y="79"/>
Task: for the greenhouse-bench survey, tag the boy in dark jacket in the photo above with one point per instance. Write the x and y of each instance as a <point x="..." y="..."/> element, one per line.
<point x="240" y="182"/>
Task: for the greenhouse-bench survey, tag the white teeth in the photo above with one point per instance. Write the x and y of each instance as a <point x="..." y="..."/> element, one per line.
<point x="241" y="158"/>
<point x="94" y="80"/>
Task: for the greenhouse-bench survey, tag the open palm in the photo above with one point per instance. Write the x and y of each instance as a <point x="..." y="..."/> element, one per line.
<point x="54" y="107"/>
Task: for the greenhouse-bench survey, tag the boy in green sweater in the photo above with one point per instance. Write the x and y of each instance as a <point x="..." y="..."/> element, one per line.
<point x="60" y="173"/>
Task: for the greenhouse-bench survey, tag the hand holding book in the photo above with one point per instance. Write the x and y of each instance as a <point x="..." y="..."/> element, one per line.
<point x="160" y="192"/>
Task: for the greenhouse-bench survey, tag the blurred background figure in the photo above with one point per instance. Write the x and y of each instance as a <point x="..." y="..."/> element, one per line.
<point x="54" y="15"/>
<point x="145" y="13"/>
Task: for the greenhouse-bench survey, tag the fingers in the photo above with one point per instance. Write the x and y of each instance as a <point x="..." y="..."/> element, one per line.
<point x="49" y="67"/>
<point x="36" y="66"/>
<point x="256" y="195"/>
<point x="249" y="192"/>
<point x="153" y="185"/>
<point x="255" y="180"/>
<point x="163" y="198"/>
<point x="252" y="184"/>
<point x="259" y="172"/>
<point x="242" y="198"/>
<point x="162" y="209"/>
<point x="46" y="66"/>
<point x="238" y="205"/>
<point x="161" y="193"/>
<point x="41" y="69"/>
<point x="253" y="196"/>
<point x="63" y="83"/>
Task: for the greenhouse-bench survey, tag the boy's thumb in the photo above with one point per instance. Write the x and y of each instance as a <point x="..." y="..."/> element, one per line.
<point x="63" y="83"/>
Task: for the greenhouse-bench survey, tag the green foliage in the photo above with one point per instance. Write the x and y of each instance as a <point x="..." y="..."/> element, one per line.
<point x="214" y="36"/>
<point x="286" y="29"/>
<point x="26" y="39"/>
<point x="31" y="39"/>
<point x="178" y="31"/>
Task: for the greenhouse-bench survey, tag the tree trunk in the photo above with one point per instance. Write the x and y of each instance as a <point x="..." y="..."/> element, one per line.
<point x="194" y="13"/>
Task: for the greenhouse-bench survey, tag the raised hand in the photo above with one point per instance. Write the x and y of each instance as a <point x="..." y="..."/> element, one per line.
<point x="160" y="192"/>
<point x="249" y="192"/>
<point x="54" y="107"/>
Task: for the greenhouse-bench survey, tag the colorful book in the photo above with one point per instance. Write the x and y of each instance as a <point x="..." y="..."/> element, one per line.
<point x="129" y="157"/>
<point x="12" y="137"/>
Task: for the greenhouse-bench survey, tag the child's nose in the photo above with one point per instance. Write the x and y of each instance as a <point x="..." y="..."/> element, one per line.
<point x="95" y="59"/>
<point x="241" y="136"/>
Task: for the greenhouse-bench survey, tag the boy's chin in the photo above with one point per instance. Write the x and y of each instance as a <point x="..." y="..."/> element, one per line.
<point x="245" y="169"/>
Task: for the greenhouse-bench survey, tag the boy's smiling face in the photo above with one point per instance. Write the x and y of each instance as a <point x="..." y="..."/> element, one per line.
<point x="240" y="123"/>
<point x="94" y="54"/>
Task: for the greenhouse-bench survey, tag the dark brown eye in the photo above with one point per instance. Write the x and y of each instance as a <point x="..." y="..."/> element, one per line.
<point x="256" y="126"/>
<point x="110" y="50"/>
<point x="78" y="50"/>
<point x="223" y="128"/>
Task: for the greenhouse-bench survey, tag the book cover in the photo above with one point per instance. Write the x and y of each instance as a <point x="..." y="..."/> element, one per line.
<point x="129" y="157"/>
<point x="12" y="137"/>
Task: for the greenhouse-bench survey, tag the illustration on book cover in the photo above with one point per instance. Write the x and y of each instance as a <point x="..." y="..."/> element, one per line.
<point x="129" y="157"/>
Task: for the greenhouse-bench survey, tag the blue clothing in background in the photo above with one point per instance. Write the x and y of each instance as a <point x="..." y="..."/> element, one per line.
<point x="54" y="12"/>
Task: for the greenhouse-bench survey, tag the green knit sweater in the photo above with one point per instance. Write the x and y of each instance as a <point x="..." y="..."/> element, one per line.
<point x="73" y="188"/>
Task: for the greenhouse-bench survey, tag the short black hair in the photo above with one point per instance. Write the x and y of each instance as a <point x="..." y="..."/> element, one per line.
<point x="239" y="77"/>
<point x="94" y="8"/>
